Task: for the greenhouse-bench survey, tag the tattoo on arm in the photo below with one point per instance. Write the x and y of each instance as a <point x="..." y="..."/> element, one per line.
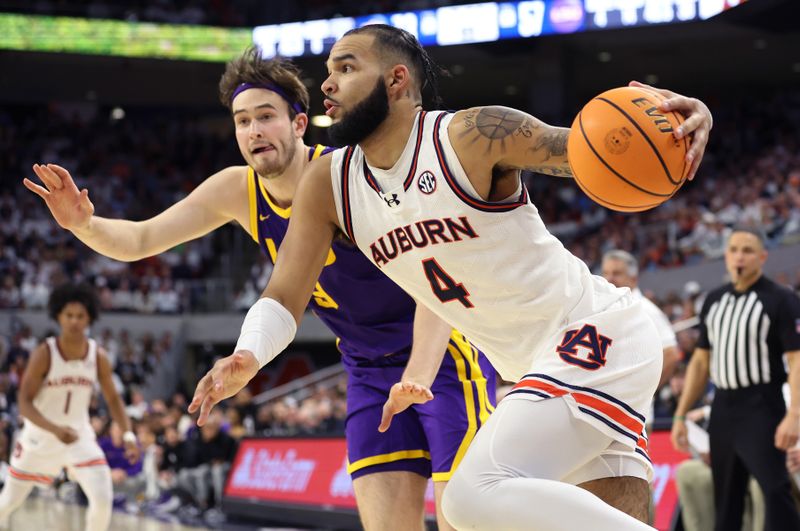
<point x="554" y="143"/>
<point x="555" y="171"/>
<point x="496" y="124"/>
<point x="499" y="123"/>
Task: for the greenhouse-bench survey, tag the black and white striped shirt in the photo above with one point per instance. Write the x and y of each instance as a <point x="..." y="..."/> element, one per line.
<point x="748" y="332"/>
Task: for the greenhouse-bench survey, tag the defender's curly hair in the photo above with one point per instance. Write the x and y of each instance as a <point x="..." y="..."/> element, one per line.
<point x="67" y="293"/>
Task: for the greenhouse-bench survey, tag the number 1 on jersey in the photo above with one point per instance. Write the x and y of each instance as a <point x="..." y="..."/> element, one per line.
<point x="443" y="285"/>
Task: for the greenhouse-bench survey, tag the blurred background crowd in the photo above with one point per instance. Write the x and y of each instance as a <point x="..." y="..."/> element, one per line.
<point x="137" y="165"/>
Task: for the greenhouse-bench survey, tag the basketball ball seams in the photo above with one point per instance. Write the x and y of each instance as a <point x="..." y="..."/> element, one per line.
<point x="680" y="119"/>
<point x="615" y="206"/>
<point x="627" y="177"/>
<point x="608" y="166"/>
<point x="647" y="138"/>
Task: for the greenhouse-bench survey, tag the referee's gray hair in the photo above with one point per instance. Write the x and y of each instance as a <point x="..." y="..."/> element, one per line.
<point x="625" y="257"/>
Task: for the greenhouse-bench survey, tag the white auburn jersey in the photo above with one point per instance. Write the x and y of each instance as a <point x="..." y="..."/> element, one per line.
<point x="66" y="392"/>
<point x="492" y="270"/>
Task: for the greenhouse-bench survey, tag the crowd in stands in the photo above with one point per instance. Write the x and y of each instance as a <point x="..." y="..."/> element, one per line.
<point x="134" y="169"/>
<point x="137" y="166"/>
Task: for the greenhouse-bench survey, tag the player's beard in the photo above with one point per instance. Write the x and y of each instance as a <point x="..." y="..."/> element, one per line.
<point x="276" y="168"/>
<point x="364" y="118"/>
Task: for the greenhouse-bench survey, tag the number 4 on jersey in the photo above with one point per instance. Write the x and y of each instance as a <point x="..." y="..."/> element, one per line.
<point x="443" y="285"/>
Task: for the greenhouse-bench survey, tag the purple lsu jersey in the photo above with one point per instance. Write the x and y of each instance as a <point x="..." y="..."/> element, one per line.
<point x="370" y="314"/>
<point x="373" y="319"/>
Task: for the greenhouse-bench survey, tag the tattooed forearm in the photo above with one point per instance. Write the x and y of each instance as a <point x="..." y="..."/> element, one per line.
<point x="555" y="171"/>
<point x="553" y="144"/>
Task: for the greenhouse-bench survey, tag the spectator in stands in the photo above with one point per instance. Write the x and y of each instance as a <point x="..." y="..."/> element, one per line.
<point x="128" y="480"/>
<point x="172" y="458"/>
<point x="209" y="452"/>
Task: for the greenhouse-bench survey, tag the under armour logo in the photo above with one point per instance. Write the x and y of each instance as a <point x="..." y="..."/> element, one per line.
<point x="594" y="344"/>
<point x="391" y="201"/>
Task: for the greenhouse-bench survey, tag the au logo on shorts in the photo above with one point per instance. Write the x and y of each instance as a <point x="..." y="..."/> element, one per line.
<point x="587" y="338"/>
<point x="427" y="182"/>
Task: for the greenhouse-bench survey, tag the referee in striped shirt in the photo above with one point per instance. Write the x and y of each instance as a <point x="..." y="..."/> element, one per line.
<point x="746" y="327"/>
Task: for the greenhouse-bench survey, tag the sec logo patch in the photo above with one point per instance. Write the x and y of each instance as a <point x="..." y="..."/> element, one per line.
<point x="427" y="182"/>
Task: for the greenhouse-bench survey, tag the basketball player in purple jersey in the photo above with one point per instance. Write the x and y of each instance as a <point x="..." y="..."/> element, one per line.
<point x="373" y="318"/>
<point x="434" y="199"/>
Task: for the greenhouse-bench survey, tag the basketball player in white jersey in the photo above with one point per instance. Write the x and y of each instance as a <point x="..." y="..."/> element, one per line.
<point x="435" y="201"/>
<point x="54" y="399"/>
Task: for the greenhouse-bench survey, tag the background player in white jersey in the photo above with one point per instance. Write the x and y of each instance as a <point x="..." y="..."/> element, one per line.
<point x="620" y="268"/>
<point x="54" y="399"/>
<point x="518" y="294"/>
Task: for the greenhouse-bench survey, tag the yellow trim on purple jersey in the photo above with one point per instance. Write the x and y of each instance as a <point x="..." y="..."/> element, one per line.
<point x="282" y="212"/>
<point x="251" y="200"/>
<point x="318" y="151"/>
<point x="464" y="354"/>
<point x="387" y="458"/>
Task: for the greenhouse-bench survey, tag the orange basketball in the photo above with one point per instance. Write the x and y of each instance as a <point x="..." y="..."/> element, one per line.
<point x="623" y="153"/>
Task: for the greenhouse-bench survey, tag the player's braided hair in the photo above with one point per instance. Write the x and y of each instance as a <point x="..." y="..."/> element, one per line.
<point x="67" y="293"/>
<point x="403" y="43"/>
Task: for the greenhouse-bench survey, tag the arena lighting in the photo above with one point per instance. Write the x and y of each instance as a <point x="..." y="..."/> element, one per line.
<point x="321" y="120"/>
<point x="444" y="26"/>
<point x="489" y="21"/>
<point x="120" y="37"/>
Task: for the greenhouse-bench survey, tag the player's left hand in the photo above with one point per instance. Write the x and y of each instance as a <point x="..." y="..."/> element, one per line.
<point x="402" y="395"/>
<point x="132" y="452"/>
<point x="787" y="433"/>
<point x="226" y="378"/>
<point x="698" y="122"/>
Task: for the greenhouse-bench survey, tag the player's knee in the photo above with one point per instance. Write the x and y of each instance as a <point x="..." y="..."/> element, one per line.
<point x="101" y="500"/>
<point x="458" y="504"/>
<point x="98" y="517"/>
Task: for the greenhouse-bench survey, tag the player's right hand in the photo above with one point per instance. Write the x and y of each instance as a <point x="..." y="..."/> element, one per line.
<point x="226" y="378"/>
<point x="402" y="395"/>
<point x="66" y="435"/>
<point x="680" y="437"/>
<point x="70" y="207"/>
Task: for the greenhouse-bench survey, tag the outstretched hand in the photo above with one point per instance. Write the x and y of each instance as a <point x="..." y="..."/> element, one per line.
<point x="402" y="395"/>
<point x="698" y="122"/>
<point x="226" y="378"/>
<point x="70" y="207"/>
